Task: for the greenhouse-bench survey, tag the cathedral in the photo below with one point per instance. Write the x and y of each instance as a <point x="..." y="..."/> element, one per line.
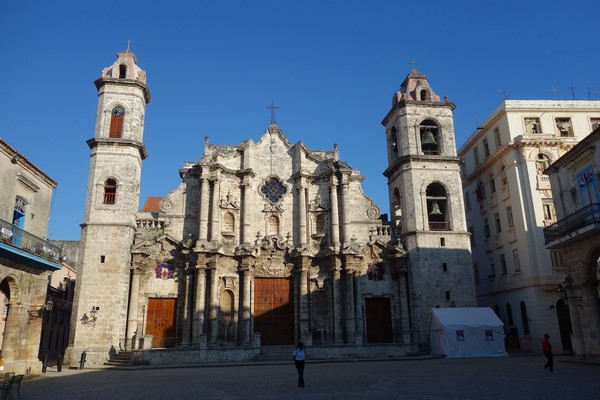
<point x="267" y="243"/>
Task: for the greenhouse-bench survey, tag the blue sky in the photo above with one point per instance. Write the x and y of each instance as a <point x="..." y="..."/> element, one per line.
<point x="330" y="66"/>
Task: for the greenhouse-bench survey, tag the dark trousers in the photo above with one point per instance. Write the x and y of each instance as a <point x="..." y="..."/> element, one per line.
<point x="550" y="362"/>
<point x="300" y="368"/>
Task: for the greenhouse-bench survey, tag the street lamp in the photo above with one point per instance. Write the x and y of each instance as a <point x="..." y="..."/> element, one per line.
<point x="568" y="299"/>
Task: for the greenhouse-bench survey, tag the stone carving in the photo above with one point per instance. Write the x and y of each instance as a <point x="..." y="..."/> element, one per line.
<point x="373" y="212"/>
<point x="166" y="206"/>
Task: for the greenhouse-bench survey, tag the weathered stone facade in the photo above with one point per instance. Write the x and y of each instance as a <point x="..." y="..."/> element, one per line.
<point x="262" y="243"/>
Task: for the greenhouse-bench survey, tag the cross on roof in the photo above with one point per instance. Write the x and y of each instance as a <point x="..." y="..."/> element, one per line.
<point x="129" y="42"/>
<point x="273" y="107"/>
<point x="412" y="62"/>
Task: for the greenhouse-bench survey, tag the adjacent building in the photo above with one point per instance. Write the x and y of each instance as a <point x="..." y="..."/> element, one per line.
<point x="266" y="243"/>
<point x="508" y="202"/>
<point x="576" y="236"/>
<point x="26" y="258"/>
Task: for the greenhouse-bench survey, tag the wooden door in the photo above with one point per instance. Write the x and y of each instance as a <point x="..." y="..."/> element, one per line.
<point x="161" y="322"/>
<point x="273" y="310"/>
<point x="379" y="320"/>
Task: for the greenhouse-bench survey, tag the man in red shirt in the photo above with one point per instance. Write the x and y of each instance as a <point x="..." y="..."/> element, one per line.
<point x="547" y="348"/>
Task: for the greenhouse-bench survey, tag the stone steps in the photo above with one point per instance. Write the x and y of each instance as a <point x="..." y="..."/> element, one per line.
<point x="122" y="358"/>
<point x="275" y="353"/>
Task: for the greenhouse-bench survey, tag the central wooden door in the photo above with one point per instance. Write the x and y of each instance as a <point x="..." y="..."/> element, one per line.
<point x="273" y="310"/>
<point x="161" y="322"/>
<point x="379" y="320"/>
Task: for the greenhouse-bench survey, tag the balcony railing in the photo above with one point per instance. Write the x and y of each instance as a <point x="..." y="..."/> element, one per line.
<point x="588" y="215"/>
<point x="24" y="240"/>
<point x="439" y="226"/>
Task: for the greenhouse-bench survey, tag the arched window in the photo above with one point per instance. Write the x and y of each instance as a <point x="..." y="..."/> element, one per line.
<point x="437" y="207"/>
<point x="542" y="163"/>
<point x="122" y="71"/>
<point x="226" y="306"/>
<point x="394" y="139"/>
<point x="524" y="318"/>
<point x="273" y="225"/>
<point x="116" y="122"/>
<point x="509" y="314"/>
<point x="424" y="95"/>
<point x="110" y="191"/>
<point x="429" y="132"/>
<point x="228" y="222"/>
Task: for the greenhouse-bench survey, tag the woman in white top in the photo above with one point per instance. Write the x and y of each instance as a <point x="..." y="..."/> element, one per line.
<point x="299" y="357"/>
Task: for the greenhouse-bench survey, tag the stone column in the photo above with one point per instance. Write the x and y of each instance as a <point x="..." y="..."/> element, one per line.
<point x="215" y="211"/>
<point x="187" y="306"/>
<point x="204" y="204"/>
<point x="134" y="297"/>
<point x="301" y="212"/>
<point x="338" y="320"/>
<point x="246" y="315"/>
<point x="358" y="308"/>
<point x="213" y="305"/>
<point x="591" y="305"/>
<point x="349" y="298"/>
<point x="335" y="218"/>
<point x="303" y="314"/>
<point x="200" y="304"/>
<point x="245" y="212"/>
<point x="404" y="309"/>
<point x="345" y="212"/>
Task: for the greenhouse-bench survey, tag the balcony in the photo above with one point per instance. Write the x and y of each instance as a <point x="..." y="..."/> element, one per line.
<point x="20" y="248"/>
<point x="588" y="218"/>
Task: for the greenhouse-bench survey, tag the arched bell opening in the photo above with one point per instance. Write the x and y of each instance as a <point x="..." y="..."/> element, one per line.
<point x="437" y="207"/>
<point x="429" y="134"/>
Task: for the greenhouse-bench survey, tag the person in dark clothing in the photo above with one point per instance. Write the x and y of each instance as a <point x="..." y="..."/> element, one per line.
<point x="547" y="348"/>
<point x="299" y="356"/>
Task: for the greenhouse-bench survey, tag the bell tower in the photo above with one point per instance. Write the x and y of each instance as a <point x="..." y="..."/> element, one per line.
<point x="426" y="200"/>
<point x="112" y="200"/>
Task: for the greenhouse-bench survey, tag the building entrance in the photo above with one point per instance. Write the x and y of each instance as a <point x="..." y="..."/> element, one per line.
<point x="379" y="320"/>
<point x="161" y="322"/>
<point x="273" y="310"/>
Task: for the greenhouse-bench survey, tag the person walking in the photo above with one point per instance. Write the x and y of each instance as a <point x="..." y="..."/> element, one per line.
<point x="547" y="348"/>
<point x="299" y="357"/>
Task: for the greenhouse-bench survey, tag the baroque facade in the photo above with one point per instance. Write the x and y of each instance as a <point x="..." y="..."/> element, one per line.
<point x="509" y="201"/>
<point x="262" y="243"/>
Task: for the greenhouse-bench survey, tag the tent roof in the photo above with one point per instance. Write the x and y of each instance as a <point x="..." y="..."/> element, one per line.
<point x="464" y="317"/>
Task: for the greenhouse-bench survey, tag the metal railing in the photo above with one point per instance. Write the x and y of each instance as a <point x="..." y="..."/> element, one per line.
<point x="439" y="226"/>
<point x="588" y="215"/>
<point x="24" y="240"/>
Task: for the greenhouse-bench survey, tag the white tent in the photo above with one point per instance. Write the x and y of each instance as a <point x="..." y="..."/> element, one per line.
<point x="466" y="332"/>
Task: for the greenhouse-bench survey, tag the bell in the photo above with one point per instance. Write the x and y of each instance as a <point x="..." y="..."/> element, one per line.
<point x="435" y="209"/>
<point x="428" y="141"/>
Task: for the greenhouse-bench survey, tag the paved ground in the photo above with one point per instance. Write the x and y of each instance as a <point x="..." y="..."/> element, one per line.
<point x="512" y="378"/>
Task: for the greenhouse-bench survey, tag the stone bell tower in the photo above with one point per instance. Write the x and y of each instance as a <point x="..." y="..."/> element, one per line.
<point x="426" y="200"/>
<point x="99" y="313"/>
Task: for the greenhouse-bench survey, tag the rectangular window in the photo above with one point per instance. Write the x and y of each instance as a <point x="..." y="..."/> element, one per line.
<point x="492" y="185"/>
<point x="497" y="223"/>
<point x="489" y="335"/>
<point x="503" y="269"/>
<point x="509" y="217"/>
<point x="476" y="273"/>
<point x="532" y="126"/>
<point x="516" y="261"/>
<point x="549" y="212"/>
<point x="486" y="228"/>
<point x="564" y="127"/>
<point x="492" y="271"/>
<point x="447" y="295"/>
<point x="445" y="267"/>
<point x="497" y="137"/>
<point x="486" y="148"/>
<point x="460" y="335"/>
<point x="556" y="259"/>
<point x="476" y="156"/>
